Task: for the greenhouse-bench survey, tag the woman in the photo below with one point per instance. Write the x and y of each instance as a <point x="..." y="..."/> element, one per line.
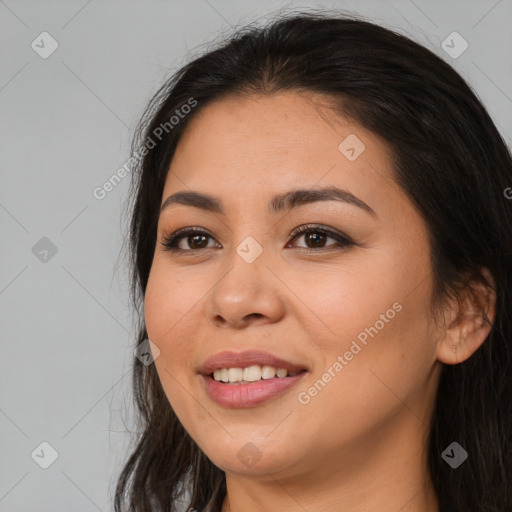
<point x="322" y="243"/>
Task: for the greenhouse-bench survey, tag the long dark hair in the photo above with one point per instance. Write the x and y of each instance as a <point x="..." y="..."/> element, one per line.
<point x="454" y="166"/>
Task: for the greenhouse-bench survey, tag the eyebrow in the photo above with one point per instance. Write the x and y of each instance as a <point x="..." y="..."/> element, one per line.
<point x="279" y="203"/>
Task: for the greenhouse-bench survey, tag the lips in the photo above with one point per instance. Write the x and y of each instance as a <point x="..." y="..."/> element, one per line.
<point x="229" y="359"/>
<point x="248" y="394"/>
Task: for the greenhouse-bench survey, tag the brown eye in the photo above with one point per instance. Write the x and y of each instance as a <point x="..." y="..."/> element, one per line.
<point x="192" y="239"/>
<point x="316" y="237"/>
<point x="197" y="241"/>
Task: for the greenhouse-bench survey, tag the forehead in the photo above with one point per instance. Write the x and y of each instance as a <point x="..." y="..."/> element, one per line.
<point x="243" y="147"/>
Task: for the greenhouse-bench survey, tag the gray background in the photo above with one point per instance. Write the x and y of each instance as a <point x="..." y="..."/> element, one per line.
<point x="66" y="123"/>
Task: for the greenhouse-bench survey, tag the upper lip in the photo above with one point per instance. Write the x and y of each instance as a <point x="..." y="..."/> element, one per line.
<point x="229" y="359"/>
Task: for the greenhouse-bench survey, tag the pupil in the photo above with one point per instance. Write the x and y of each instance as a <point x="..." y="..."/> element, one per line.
<point x="316" y="238"/>
<point x="194" y="238"/>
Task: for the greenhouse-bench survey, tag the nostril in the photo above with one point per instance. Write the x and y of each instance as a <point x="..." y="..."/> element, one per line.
<point x="253" y="316"/>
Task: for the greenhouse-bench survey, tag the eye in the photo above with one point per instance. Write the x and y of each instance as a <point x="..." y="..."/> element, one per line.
<point x="316" y="236"/>
<point x="196" y="239"/>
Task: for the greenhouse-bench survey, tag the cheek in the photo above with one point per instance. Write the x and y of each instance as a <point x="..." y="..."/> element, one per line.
<point x="378" y="364"/>
<point x="340" y="302"/>
<point x="373" y="381"/>
<point x="170" y="311"/>
<point x="167" y="302"/>
<point x="375" y="317"/>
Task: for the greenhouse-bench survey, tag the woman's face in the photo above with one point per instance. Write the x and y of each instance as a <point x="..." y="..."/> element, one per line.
<point x="352" y="313"/>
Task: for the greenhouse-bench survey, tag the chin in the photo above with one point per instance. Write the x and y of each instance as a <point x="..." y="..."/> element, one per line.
<point x="247" y="457"/>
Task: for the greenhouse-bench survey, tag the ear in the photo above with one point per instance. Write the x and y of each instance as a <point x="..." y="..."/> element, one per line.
<point x="468" y="320"/>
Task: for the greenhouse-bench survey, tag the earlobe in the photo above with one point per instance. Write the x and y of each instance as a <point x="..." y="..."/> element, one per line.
<point x="471" y="320"/>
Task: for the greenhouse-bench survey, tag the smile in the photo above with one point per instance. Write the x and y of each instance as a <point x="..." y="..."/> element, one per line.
<point x="250" y="378"/>
<point x="250" y="374"/>
<point x="241" y="394"/>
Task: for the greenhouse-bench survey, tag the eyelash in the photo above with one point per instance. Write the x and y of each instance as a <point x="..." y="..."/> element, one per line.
<point x="170" y="242"/>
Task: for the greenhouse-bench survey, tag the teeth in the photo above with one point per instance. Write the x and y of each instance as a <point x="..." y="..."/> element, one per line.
<point x="281" y="372"/>
<point x="250" y="374"/>
<point x="221" y="375"/>
<point x="268" y="372"/>
<point x="235" y="374"/>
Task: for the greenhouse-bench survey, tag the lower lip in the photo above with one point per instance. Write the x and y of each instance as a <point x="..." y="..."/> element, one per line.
<point x="248" y="395"/>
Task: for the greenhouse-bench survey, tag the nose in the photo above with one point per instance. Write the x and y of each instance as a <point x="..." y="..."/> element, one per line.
<point x="245" y="293"/>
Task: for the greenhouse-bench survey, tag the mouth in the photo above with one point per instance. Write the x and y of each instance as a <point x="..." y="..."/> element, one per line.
<point x="238" y="380"/>
<point x="254" y="373"/>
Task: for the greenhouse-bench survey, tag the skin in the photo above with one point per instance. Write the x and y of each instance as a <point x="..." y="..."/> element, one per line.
<point x="359" y="444"/>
